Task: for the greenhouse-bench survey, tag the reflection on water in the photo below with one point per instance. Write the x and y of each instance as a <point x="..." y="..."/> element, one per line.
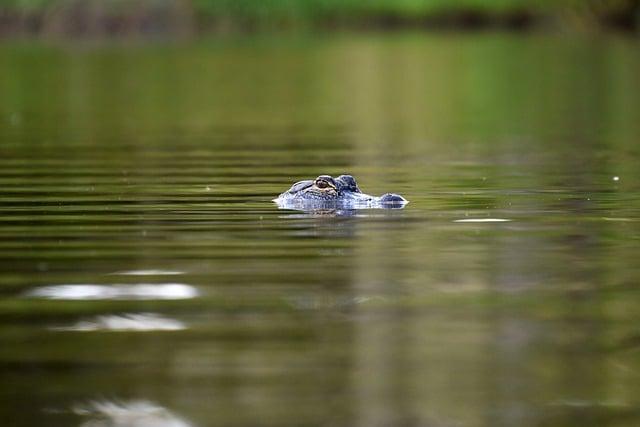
<point x="136" y="413"/>
<point x="335" y="208"/>
<point x="315" y="302"/>
<point x="97" y="292"/>
<point x="125" y="322"/>
<point x="147" y="273"/>
<point x="481" y="220"/>
<point x="328" y="213"/>
<point x="124" y="167"/>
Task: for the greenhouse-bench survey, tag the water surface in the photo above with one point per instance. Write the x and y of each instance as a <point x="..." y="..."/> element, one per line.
<point x="146" y="278"/>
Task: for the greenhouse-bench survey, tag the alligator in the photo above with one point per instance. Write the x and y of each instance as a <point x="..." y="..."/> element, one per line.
<point x="326" y="192"/>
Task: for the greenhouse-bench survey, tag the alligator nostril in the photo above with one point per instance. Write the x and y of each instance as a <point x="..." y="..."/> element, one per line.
<point x="391" y="198"/>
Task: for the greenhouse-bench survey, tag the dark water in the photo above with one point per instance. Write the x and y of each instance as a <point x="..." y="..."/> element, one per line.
<point x="148" y="280"/>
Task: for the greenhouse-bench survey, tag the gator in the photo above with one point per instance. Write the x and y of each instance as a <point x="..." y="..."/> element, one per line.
<point x="326" y="192"/>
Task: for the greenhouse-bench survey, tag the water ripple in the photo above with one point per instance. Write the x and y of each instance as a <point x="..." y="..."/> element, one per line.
<point x="479" y="220"/>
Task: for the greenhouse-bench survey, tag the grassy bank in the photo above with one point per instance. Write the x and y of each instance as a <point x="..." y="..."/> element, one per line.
<point x="76" y="18"/>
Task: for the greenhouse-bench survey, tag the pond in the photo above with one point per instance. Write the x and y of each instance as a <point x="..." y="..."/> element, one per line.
<point x="147" y="278"/>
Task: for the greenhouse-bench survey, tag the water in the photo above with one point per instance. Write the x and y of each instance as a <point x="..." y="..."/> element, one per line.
<point x="147" y="278"/>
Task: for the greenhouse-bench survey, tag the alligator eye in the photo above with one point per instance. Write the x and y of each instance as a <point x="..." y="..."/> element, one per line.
<point x="322" y="183"/>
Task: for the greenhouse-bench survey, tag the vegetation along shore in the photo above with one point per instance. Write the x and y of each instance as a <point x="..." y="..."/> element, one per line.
<point x="184" y="18"/>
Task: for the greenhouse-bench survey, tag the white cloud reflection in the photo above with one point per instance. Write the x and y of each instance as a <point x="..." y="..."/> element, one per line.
<point x="143" y="291"/>
<point x="147" y="273"/>
<point x="125" y="322"/>
<point x="134" y="413"/>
